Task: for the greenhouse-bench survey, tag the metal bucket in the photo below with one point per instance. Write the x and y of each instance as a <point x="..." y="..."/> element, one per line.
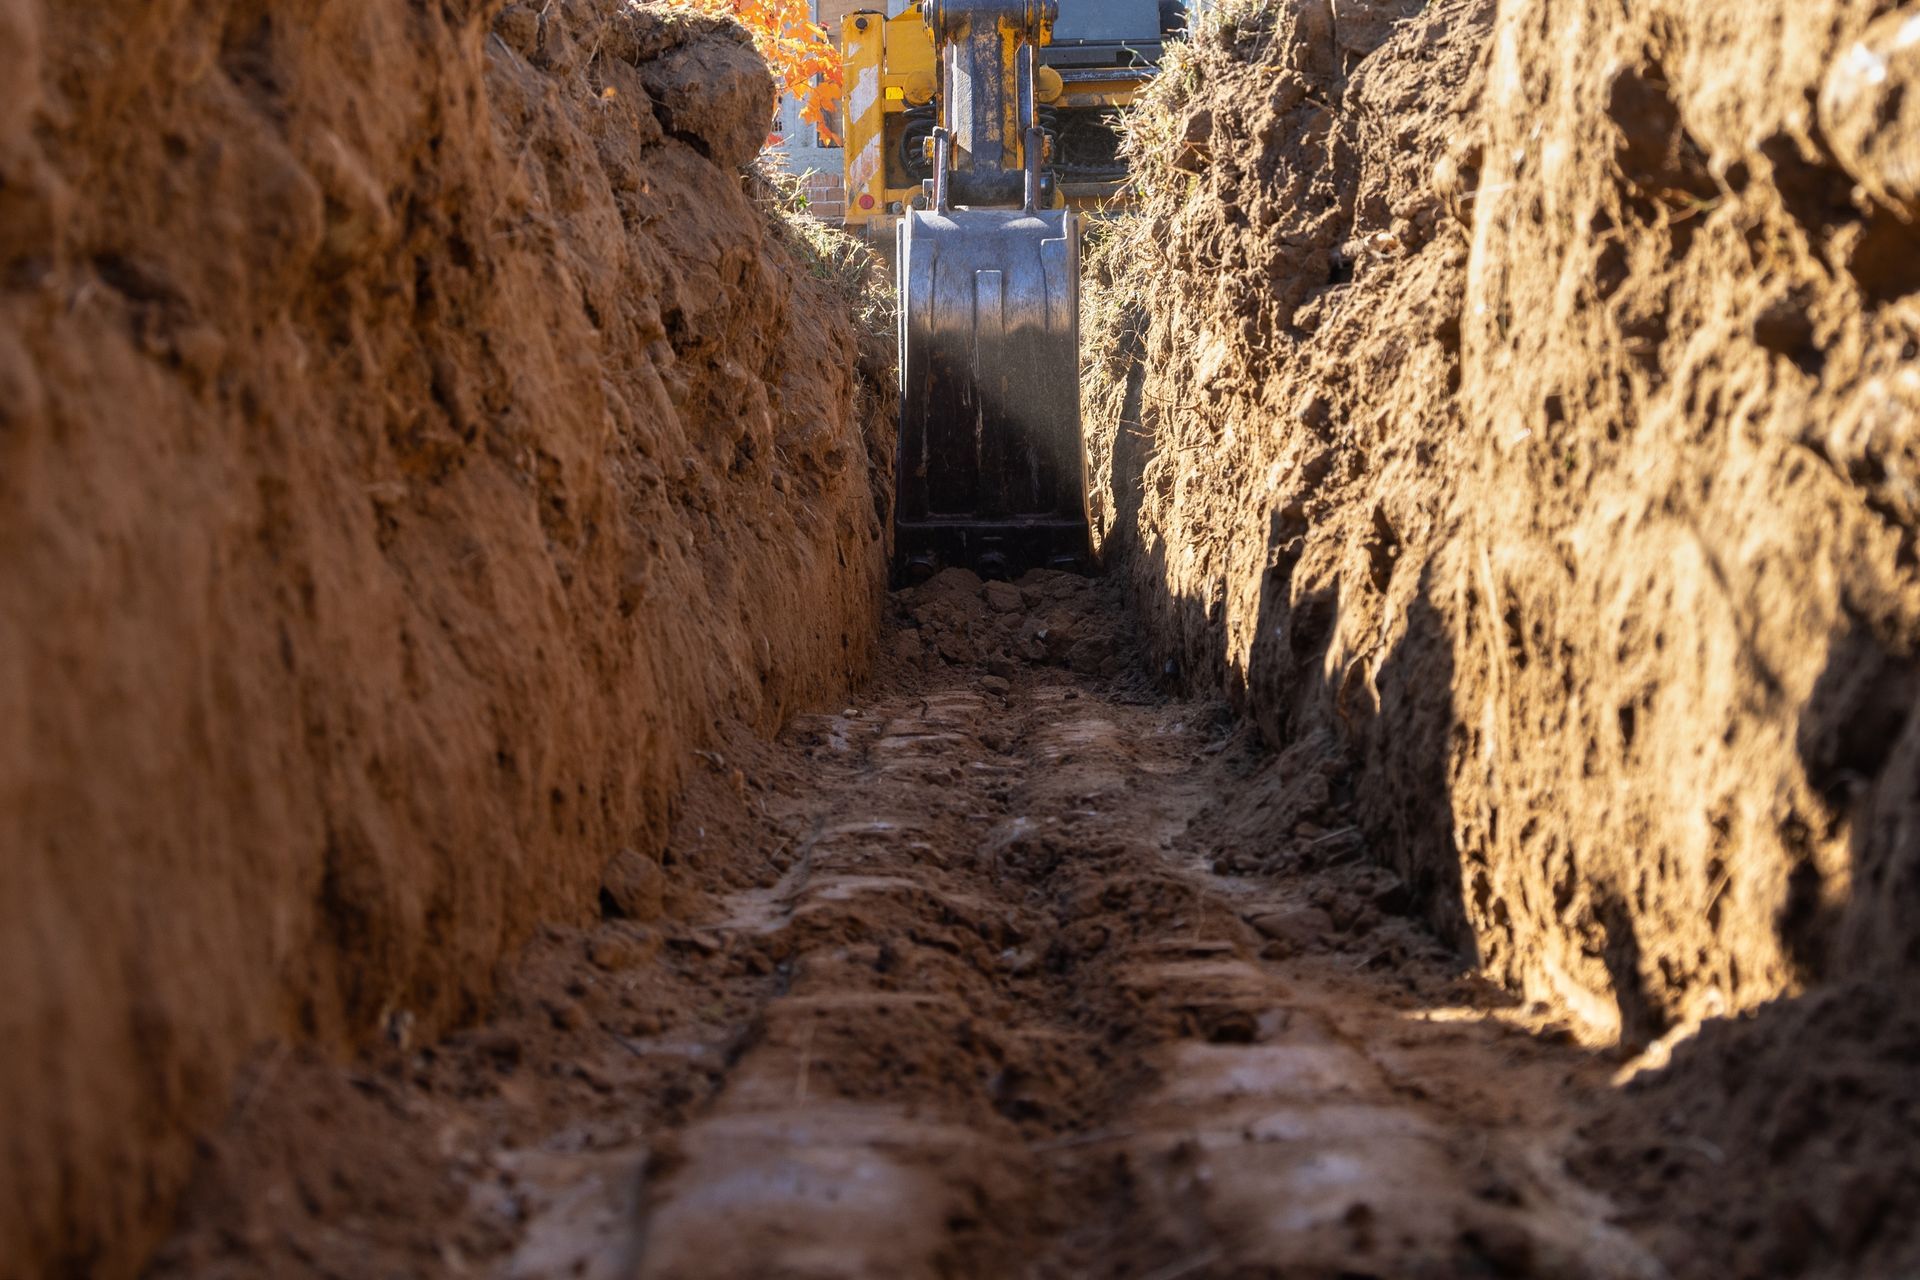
<point x="992" y="469"/>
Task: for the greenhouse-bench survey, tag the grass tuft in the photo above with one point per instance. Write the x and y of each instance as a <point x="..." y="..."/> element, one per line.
<point x="843" y="262"/>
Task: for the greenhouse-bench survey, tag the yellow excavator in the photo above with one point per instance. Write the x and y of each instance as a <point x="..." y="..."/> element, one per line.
<point x="978" y="131"/>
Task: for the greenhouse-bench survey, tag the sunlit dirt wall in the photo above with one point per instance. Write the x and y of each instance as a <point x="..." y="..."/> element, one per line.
<point x="1521" y="399"/>
<point x="412" y="441"/>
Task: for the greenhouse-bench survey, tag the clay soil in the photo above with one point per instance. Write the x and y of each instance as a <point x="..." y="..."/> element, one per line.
<point x="1014" y="967"/>
<point x="1517" y="402"/>
<point x="414" y="437"/>
<point x="1471" y="832"/>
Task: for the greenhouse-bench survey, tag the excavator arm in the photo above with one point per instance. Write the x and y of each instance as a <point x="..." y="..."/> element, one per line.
<point x="991" y="468"/>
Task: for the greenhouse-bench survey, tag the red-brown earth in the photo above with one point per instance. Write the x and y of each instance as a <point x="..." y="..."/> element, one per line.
<point x="1518" y="402"/>
<point x="1013" y="966"/>
<point x="414" y="442"/>
<point x="469" y="808"/>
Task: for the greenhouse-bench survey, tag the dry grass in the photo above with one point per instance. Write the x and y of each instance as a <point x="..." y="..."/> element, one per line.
<point x="1125" y="256"/>
<point x="1122" y="258"/>
<point x="842" y="261"/>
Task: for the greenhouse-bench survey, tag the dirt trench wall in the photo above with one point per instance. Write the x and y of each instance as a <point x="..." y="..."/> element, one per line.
<point x="1528" y="411"/>
<point x="412" y="442"/>
<point x="1700" y="402"/>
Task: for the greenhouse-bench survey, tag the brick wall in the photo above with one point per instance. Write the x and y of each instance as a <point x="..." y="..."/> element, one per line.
<point x="827" y="192"/>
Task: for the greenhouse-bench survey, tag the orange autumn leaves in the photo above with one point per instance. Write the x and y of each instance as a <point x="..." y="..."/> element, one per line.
<point x="804" y="60"/>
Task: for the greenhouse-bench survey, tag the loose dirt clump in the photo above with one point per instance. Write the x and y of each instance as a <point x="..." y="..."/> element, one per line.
<point x="413" y="443"/>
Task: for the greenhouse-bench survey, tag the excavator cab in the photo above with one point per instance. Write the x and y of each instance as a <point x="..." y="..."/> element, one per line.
<point x="991" y="468"/>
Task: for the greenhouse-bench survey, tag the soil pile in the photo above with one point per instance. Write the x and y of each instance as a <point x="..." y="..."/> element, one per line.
<point x="1518" y="402"/>
<point x="413" y="444"/>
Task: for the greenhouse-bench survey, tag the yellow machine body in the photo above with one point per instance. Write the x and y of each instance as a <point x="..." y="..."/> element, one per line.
<point x="991" y="465"/>
<point x="893" y="82"/>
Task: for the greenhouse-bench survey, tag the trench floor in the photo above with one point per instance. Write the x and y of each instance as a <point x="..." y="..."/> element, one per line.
<point x="1017" y="967"/>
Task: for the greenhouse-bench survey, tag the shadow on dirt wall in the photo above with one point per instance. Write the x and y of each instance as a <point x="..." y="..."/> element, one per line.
<point x="1394" y="752"/>
<point x="1789" y="1138"/>
<point x="1811" y="1157"/>
<point x="1401" y="737"/>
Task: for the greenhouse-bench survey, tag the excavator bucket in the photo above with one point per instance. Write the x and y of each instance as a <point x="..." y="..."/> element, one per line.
<point x="992" y="473"/>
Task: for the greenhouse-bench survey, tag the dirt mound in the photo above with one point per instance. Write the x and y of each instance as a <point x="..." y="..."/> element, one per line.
<point x="413" y="443"/>
<point x="1517" y="402"/>
<point x="1049" y="618"/>
<point x="1788" y="1139"/>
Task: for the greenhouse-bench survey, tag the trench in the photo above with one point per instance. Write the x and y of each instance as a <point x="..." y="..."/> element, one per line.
<point x="1000" y="970"/>
<point x="471" y="808"/>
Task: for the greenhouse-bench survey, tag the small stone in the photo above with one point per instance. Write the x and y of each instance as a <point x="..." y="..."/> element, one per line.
<point x="1298" y="928"/>
<point x="613" y="951"/>
<point x="202" y="350"/>
<point x="1004" y="597"/>
<point x="957" y="650"/>
<point x="519" y="26"/>
<point x="1347" y="912"/>
<point x="997" y="685"/>
<point x="632" y="887"/>
<point x="1870" y="110"/>
<point x="1090" y="655"/>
